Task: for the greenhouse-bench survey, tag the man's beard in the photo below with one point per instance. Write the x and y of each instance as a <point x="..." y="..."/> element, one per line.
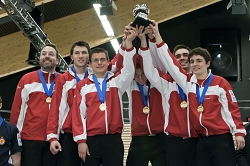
<point x="47" y="66"/>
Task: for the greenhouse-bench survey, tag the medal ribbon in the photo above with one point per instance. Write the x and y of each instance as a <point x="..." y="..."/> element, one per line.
<point x="1" y="121"/>
<point x="201" y="98"/>
<point x="101" y="93"/>
<point x="144" y="98"/>
<point x="47" y="91"/>
<point x="77" y="78"/>
<point x="182" y="94"/>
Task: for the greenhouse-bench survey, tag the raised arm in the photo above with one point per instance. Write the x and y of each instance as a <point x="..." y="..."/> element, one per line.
<point x="153" y="50"/>
<point x="156" y="77"/>
<point x="127" y="73"/>
<point x="169" y="61"/>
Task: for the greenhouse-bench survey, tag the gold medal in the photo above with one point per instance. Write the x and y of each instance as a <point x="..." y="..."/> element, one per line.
<point x="103" y="107"/>
<point x="2" y="140"/>
<point x="48" y="100"/>
<point x="145" y="110"/>
<point x="183" y="104"/>
<point x="200" y="109"/>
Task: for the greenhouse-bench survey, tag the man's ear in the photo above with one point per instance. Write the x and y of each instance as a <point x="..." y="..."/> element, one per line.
<point x="208" y="64"/>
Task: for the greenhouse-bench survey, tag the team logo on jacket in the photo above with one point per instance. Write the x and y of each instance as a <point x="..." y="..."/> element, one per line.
<point x="232" y="96"/>
<point x="2" y="140"/>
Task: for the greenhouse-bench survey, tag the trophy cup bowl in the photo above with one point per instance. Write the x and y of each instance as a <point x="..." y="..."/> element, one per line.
<point x="140" y="13"/>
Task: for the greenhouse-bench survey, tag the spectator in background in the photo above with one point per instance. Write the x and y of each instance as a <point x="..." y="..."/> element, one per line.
<point x="10" y="143"/>
<point x="31" y="107"/>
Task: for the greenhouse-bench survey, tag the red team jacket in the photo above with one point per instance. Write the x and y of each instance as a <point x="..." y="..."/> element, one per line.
<point x="29" y="110"/>
<point x="87" y="118"/>
<point x="221" y="114"/>
<point x="145" y="124"/>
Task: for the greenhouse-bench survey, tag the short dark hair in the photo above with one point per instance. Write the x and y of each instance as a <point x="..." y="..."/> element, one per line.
<point x="81" y="44"/>
<point x="1" y="99"/>
<point x="180" y="46"/>
<point x="138" y="63"/>
<point x="200" y="51"/>
<point x="98" y="50"/>
<point x="53" y="46"/>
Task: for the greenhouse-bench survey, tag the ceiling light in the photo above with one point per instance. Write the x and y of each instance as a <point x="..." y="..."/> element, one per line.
<point x="103" y="18"/>
<point x="115" y="44"/>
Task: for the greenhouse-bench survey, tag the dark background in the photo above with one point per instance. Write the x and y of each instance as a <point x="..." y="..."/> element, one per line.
<point x="186" y="30"/>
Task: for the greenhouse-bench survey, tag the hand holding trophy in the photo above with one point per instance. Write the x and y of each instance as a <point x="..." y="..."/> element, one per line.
<point x="140" y="13"/>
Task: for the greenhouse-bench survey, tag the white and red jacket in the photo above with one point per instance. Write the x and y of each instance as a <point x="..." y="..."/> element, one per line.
<point x="87" y="118"/>
<point x="176" y="118"/>
<point x="29" y="110"/>
<point x="60" y="116"/>
<point x="144" y="124"/>
<point x="221" y="112"/>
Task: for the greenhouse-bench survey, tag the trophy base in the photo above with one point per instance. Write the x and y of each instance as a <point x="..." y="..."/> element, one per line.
<point x="140" y="22"/>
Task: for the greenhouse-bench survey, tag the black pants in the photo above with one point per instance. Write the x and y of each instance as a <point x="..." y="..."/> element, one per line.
<point x="147" y="148"/>
<point x="69" y="154"/>
<point x="181" y="152"/>
<point x="216" y="150"/>
<point x="37" y="153"/>
<point x="105" y="150"/>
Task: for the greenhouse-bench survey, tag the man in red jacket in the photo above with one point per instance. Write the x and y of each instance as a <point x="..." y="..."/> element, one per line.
<point x="59" y="126"/>
<point x="181" y="138"/>
<point x="31" y="107"/>
<point x="97" y="109"/>
<point x="212" y="106"/>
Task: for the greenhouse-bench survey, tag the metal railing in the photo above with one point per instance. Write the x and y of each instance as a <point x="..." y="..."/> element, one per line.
<point x="21" y="17"/>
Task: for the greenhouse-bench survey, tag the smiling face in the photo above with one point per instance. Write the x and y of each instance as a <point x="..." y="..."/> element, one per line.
<point x="48" y="59"/>
<point x="80" y="56"/>
<point x="182" y="56"/>
<point x="199" y="66"/>
<point x="99" y="64"/>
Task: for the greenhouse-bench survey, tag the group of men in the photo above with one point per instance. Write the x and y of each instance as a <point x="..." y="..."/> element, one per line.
<point x="180" y="114"/>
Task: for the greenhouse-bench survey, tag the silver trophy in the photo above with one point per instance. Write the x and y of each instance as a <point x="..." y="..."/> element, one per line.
<point x="140" y="13"/>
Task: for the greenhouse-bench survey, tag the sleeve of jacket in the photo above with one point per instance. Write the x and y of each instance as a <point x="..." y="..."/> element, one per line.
<point x="153" y="75"/>
<point x="155" y="58"/>
<point x="116" y="63"/>
<point x="16" y="144"/>
<point x="17" y="102"/>
<point x="126" y="75"/>
<point x="241" y="155"/>
<point x="172" y="65"/>
<point x="229" y="102"/>
<point x="53" y="118"/>
<point x="79" y="116"/>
